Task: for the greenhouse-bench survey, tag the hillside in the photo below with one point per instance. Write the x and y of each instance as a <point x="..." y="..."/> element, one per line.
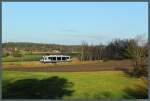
<point x="39" y="47"/>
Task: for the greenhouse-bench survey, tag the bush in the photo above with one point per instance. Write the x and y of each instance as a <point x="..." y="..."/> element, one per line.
<point x="137" y="71"/>
<point x="5" y="54"/>
<point x="17" y="53"/>
<point x="137" y="91"/>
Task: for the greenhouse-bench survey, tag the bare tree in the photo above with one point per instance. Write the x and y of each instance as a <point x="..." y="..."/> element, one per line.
<point x="137" y="51"/>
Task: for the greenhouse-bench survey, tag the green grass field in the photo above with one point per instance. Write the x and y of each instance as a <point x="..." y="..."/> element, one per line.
<point x="23" y="58"/>
<point x="31" y="57"/>
<point x="85" y="85"/>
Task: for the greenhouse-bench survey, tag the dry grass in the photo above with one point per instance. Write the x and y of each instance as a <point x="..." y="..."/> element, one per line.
<point x="37" y="64"/>
<point x="31" y="64"/>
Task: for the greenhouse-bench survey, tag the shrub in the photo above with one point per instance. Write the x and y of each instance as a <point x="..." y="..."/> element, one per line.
<point x="17" y="53"/>
<point x="5" y="54"/>
<point x="137" y="71"/>
<point x="137" y="91"/>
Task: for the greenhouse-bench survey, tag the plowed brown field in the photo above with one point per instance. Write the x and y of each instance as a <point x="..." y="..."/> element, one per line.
<point x="91" y="66"/>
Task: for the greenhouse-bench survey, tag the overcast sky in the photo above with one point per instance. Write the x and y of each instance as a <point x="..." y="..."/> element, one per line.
<point x="72" y="23"/>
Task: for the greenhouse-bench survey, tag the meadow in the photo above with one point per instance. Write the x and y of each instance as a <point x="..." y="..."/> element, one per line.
<point x="68" y="85"/>
<point x="98" y="72"/>
<point x="33" y="57"/>
<point x="30" y="57"/>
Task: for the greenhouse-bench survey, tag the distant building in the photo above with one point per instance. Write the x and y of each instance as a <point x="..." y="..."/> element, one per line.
<point x="56" y="51"/>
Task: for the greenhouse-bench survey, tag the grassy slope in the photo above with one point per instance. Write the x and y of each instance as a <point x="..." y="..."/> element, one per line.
<point x="86" y="84"/>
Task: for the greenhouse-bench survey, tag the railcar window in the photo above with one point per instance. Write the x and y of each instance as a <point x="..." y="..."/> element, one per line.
<point x="58" y="58"/>
<point x="64" y="58"/>
<point x="49" y="58"/>
<point x="53" y="58"/>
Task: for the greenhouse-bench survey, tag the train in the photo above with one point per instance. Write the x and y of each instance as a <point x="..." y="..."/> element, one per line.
<point x="55" y="58"/>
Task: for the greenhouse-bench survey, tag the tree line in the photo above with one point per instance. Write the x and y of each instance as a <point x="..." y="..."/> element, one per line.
<point x="11" y="48"/>
<point x="134" y="49"/>
<point x="117" y="49"/>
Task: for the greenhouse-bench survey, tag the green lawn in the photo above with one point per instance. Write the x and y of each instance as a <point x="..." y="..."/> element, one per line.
<point x="23" y="58"/>
<point x="85" y="85"/>
<point x="31" y="57"/>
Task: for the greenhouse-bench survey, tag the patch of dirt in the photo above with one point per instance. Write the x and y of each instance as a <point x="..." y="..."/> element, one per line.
<point x="101" y="66"/>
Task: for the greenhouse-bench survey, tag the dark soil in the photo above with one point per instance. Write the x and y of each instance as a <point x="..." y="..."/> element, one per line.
<point x="104" y="66"/>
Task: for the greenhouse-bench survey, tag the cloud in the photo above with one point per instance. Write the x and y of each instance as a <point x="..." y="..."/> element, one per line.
<point x="70" y="30"/>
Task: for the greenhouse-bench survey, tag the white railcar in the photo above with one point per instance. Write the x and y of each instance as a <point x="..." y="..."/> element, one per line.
<point x="55" y="58"/>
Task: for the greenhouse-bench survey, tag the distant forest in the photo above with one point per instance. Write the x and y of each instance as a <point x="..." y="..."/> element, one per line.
<point x="116" y="49"/>
<point x="38" y="47"/>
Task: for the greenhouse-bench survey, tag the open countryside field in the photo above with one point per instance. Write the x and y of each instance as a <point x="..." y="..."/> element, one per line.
<point x="68" y="85"/>
<point x="86" y="51"/>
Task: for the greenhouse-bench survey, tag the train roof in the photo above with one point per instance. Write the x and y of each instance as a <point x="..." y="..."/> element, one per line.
<point x="56" y="56"/>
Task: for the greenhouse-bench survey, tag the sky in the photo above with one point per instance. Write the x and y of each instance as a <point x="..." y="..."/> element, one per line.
<point x="71" y="23"/>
